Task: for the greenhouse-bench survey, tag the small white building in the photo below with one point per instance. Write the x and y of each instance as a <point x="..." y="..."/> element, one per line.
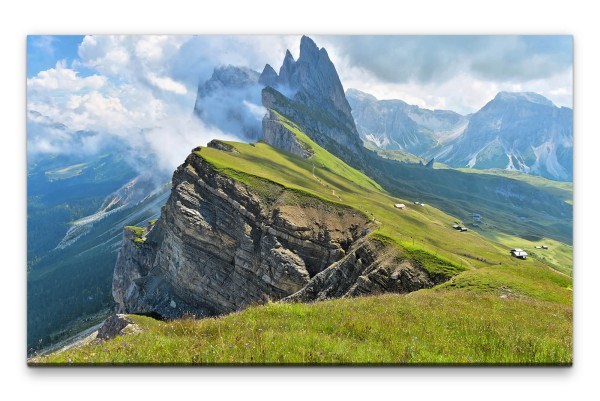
<point x="518" y="253"/>
<point x="400" y="206"/>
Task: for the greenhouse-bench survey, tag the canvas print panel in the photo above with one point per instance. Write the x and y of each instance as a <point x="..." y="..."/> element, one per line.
<point x="315" y="200"/>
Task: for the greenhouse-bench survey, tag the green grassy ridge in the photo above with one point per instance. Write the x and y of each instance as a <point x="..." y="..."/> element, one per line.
<point x="424" y="327"/>
<point x="327" y="160"/>
<point x="272" y="192"/>
<point x="423" y="224"/>
<point x="435" y="265"/>
<point x="520" y="279"/>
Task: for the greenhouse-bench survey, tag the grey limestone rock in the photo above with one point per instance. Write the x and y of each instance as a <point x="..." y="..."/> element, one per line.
<point x="112" y="327"/>
<point x="369" y="268"/>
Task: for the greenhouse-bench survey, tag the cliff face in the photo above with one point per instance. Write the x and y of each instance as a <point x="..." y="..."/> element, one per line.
<point x="370" y="268"/>
<point x="220" y="246"/>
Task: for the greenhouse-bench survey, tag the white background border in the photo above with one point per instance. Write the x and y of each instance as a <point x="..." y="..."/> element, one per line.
<point x="24" y="17"/>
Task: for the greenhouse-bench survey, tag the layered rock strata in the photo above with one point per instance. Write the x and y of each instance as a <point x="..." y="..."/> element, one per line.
<point x="220" y="246"/>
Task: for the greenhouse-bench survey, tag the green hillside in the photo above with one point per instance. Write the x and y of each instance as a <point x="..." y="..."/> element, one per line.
<point x="424" y="327"/>
<point x="562" y="189"/>
<point x="495" y="309"/>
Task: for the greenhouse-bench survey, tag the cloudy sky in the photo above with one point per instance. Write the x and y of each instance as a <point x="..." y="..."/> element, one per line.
<point x="142" y="89"/>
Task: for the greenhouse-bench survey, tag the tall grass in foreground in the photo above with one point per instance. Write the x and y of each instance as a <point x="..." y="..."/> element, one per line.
<point x="425" y="327"/>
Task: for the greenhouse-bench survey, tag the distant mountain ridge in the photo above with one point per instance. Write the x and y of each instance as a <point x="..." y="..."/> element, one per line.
<point x="516" y="131"/>
<point x="520" y="131"/>
<point x="396" y="125"/>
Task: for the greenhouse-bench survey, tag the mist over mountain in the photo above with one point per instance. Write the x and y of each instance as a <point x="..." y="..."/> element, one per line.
<point x="230" y="101"/>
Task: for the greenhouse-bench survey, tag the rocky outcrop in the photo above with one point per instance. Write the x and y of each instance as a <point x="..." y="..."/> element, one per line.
<point x="274" y="131"/>
<point x="220" y="145"/>
<point x="220" y="246"/>
<point x="113" y="326"/>
<point x="133" y="262"/>
<point x="276" y="134"/>
<point x="370" y="268"/>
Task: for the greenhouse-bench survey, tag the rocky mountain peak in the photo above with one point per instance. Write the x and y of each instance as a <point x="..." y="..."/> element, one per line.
<point x="228" y="77"/>
<point x="287" y="68"/>
<point x="529" y="97"/>
<point x="308" y="49"/>
<point x="223" y="101"/>
<point x="521" y="131"/>
<point x="312" y="84"/>
<point x="268" y="77"/>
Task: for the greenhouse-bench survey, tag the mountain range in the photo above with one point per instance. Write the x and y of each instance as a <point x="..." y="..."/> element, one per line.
<point x="520" y="131"/>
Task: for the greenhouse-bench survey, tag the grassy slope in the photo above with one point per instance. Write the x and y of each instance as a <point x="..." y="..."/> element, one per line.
<point x="498" y="309"/>
<point x="559" y="256"/>
<point x="448" y="327"/>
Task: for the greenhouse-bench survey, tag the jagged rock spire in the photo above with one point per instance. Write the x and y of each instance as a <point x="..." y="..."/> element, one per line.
<point x="287" y="68"/>
<point x="268" y="77"/>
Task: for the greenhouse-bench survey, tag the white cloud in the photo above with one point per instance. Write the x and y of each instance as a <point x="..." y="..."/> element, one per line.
<point x="64" y="79"/>
<point x="448" y="74"/>
<point x="166" y="83"/>
<point x="143" y="93"/>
